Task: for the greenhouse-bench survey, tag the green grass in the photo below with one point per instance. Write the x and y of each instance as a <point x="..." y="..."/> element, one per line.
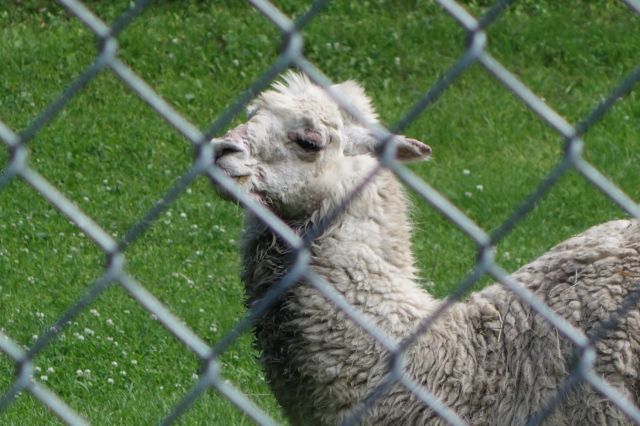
<point x="112" y="155"/>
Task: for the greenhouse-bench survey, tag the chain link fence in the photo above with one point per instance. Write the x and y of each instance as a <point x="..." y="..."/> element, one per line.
<point x="291" y="55"/>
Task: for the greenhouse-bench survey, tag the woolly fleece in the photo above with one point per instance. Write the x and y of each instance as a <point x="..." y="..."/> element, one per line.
<point x="490" y="358"/>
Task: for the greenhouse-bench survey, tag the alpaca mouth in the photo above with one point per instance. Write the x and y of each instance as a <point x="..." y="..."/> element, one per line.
<point x="237" y="172"/>
<point x="238" y="176"/>
<point x="240" y="180"/>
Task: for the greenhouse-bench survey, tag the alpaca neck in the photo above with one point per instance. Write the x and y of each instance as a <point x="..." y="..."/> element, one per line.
<point x="308" y="345"/>
<point x="365" y="254"/>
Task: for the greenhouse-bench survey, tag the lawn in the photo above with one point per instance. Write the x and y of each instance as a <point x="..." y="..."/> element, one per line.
<point x="114" y="157"/>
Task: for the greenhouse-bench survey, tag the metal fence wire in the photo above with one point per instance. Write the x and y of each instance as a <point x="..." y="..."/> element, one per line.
<point x="291" y="55"/>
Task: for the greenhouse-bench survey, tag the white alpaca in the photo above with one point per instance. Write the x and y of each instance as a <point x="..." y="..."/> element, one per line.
<point x="491" y="358"/>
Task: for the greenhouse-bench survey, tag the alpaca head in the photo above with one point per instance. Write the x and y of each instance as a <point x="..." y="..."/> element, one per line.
<point x="299" y="147"/>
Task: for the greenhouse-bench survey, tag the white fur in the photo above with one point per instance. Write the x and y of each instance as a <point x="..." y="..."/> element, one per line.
<point x="491" y="358"/>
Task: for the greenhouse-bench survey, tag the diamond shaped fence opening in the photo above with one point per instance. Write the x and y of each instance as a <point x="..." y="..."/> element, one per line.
<point x="476" y="53"/>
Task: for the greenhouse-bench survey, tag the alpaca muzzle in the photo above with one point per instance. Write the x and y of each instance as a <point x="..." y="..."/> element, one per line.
<point x="224" y="148"/>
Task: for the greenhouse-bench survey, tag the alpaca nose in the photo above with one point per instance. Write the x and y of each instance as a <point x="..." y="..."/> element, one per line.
<point x="222" y="148"/>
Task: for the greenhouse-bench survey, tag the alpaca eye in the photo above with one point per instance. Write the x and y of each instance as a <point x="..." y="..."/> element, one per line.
<point x="308" y="140"/>
<point x="307" y="144"/>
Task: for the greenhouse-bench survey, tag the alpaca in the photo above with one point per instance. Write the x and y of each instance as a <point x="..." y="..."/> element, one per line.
<point x="490" y="358"/>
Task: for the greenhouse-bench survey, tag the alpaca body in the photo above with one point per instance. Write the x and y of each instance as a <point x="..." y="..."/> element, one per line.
<point x="491" y="358"/>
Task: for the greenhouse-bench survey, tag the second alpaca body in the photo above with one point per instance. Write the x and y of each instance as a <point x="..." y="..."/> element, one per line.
<point x="490" y="358"/>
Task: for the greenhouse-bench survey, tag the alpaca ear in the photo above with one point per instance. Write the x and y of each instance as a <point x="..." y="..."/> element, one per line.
<point x="359" y="141"/>
<point x="409" y="149"/>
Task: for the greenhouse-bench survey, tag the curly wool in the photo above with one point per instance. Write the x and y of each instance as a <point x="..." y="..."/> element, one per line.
<point x="491" y="358"/>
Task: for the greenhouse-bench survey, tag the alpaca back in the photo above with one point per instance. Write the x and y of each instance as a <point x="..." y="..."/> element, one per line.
<point x="589" y="280"/>
<point x="494" y="360"/>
